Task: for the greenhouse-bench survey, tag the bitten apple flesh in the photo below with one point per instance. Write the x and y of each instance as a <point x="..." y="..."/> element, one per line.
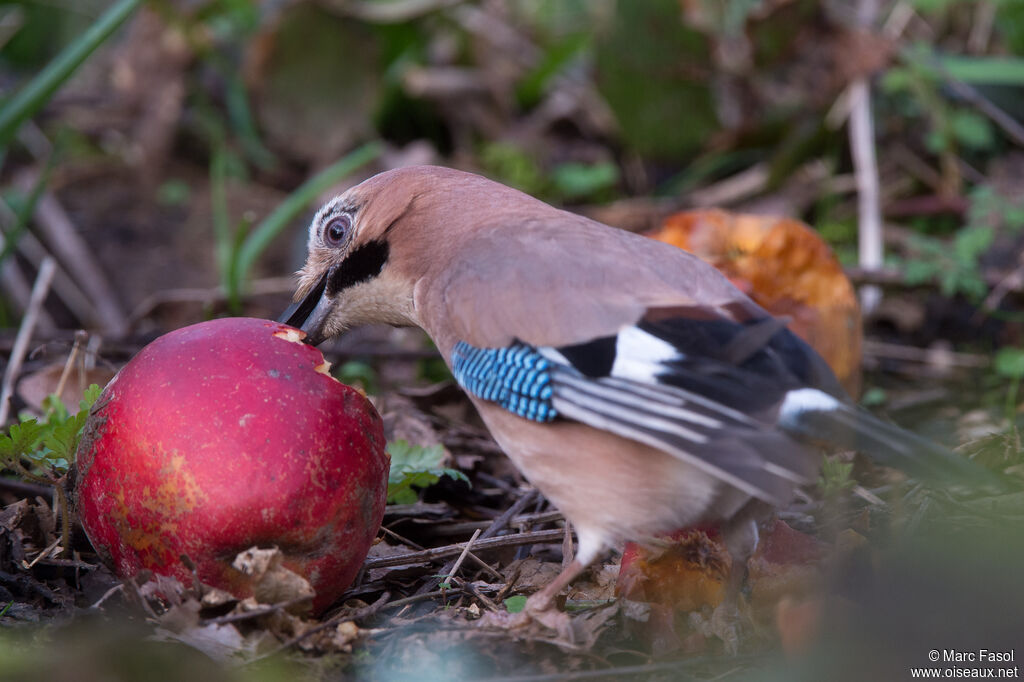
<point x="226" y="435"/>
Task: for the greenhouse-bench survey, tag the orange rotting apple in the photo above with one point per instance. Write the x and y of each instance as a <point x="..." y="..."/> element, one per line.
<point x="226" y="435"/>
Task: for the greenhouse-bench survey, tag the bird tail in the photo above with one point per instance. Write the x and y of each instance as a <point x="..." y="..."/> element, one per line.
<point x="812" y="414"/>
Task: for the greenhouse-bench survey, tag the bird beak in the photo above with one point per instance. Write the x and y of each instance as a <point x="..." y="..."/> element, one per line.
<point x="310" y="314"/>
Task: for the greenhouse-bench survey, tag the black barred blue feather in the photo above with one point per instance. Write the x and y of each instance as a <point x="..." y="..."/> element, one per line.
<point x="517" y="378"/>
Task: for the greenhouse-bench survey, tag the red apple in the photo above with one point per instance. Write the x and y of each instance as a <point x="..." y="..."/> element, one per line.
<point x="226" y="435"/>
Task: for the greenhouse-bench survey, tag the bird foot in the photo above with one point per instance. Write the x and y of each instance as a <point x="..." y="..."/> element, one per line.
<point x="538" y="615"/>
<point x="724" y="623"/>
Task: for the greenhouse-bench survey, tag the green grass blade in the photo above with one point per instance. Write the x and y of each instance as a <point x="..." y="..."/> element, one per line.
<point x="25" y="211"/>
<point x="1008" y="71"/>
<point x="38" y="91"/>
<point x="271" y="226"/>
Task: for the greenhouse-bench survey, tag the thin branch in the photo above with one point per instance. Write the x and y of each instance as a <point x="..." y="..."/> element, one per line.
<point x="926" y="356"/>
<point x="1007" y="123"/>
<point x="462" y="557"/>
<point x="28" y="324"/>
<point x="74" y="253"/>
<point x="255" y="613"/>
<point x="34" y="251"/>
<point x="393" y="12"/>
<point x="343" y="617"/>
<point x="496" y="526"/>
<point x="429" y="555"/>
<point x="865" y="164"/>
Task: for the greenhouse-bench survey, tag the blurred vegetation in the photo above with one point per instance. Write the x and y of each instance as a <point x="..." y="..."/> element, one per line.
<point x="188" y="140"/>
<point x="574" y="101"/>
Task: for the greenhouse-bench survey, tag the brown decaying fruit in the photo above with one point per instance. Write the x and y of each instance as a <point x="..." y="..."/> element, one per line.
<point x="225" y="435"/>
<point x="688" y="573"/>
<point x="787" y="269"/>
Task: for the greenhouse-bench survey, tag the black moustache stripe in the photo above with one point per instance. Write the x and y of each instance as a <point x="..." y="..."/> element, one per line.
<point x="362" y="264"/>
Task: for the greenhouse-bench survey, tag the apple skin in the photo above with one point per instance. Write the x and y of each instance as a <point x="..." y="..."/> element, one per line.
<point x="225" y="435"/>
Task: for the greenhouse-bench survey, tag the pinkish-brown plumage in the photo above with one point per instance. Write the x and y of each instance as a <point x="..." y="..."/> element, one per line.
<point x="679" y="399"/>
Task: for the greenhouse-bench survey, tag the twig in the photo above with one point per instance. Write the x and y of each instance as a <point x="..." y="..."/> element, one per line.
<point x="107" y="595"/>
<point x="28" y="324"/>
<point x="880" y="349"/>
<point x="424" y="596"/>
<point x="429" y="555"/>
<point x="889" y="276"/>
<point x="462" y="557"/>
<point x="11" y="277"/>
<point x="868" y="496"/>
<point x="483" y="598"/>
<point x="499" y="523"/>
<point x="70" y="363"/>
<point x="518" y="521"/>
<point x="343" y="617"/>
<point x="1014" y="281"/>
<point x="74" y="254"/>
<point x="388" y="12"/>
<point x="255" y="613"/>
<point x="403" y="540"/>
<point x="567" y="549"/>
<point x="734" y="188"/>
<point x="496" y="526"/>
<point x="35" y="253"/>
<point x="862" y="148"/>
<point x="25" y="489"/>
<point x="981" y="29"/>
<point x="53" y="545"/>
<point x="1007" y="123"/>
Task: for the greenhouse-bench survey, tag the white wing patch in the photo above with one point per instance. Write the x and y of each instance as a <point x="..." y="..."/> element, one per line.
<point x="801" y="400"/>
<point x="639" y="355"/>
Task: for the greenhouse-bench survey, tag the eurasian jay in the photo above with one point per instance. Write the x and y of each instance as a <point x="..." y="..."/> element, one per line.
<point x="628" y="380"/>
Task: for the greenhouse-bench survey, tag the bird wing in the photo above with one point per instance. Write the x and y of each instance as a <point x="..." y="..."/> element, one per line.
<point x="563" y="279"/>
<point x="624" y="346"/>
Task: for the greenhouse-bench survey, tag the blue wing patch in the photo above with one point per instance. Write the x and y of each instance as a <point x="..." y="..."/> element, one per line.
<point x="516" y="377"/>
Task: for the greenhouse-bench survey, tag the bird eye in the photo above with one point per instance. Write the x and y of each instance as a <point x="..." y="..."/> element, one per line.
<point x="337" y="230"/>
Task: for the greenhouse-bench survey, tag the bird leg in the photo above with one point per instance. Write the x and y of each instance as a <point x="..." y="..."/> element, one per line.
<point x="545" y="599"/>
<point x="540" y="606"/>
<point x="740" y="538"/>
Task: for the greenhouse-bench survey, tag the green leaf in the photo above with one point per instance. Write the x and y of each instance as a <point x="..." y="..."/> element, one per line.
<point x="356" y="372"/>
<point x="556" y="57"/>
<point x="972" y="130"/>
<point x="873" y="397"/>
<point x="408" y="457"/>
<point x="835" y="475"/>
<point x="89" y="398"/>
<point x="54" y="408"/>
<point x="988" y="70"/>
<point x="931" y="5"/>
<point x="972" y="242"/>
<point x="897" y="79"/>
<point x="579" y="180"/>
<point x="1009" y="363"/>
<point x="63" y="439"/>
<point x="21" y="439"/>
<point x="920" y="272"/>
<point x="515" y="604"/>
<point x="415" y="466"/>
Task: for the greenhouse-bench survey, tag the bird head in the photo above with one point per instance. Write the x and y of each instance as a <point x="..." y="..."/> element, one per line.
<point x="370" y="247"/>
<point x="353" y="274"/>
